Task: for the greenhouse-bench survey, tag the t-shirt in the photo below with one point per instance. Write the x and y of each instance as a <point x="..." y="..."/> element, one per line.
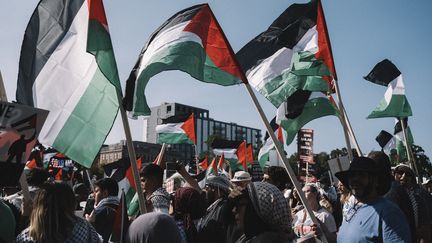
<point x="378" y="221"/>
<point x="322" y="215"/>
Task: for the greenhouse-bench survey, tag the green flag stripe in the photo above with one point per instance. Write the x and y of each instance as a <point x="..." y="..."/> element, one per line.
<point x="174" y="138"/>
<point x="90" y="121"/>
<point x="188" y="57"/>
<point x="398" y="107"/>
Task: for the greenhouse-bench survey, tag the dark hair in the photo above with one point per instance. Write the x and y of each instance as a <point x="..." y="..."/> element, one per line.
<point x="384" y="170"/>
<point x="37" y="176"/>
<point x="108" y="184"/>
<point x="279" y="176"/>
<point x="152" y="170"/>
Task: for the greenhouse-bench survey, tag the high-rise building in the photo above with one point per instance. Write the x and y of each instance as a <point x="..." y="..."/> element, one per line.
<point x="206" y="127"/>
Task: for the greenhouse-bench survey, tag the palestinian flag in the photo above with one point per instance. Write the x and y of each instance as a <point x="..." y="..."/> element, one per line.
<point x="395" y="103"/>
<point x="121" y="171"/>
<point x="221" y="163"/>
<point x="400" y="140"/>
<point x="121" y="221"/>
<point x="67" y="66"/>
<point x="212" y="168"/>
<point x="190" y="41"/>
<point x="293" y="54"/>
<point x="177" y="129"/>
<point x="387" y="141"/>
<point x="204" y="164"/>
<point x="301" y="108"/>
<point x="235" y="152"/>
<point x="264" y="152"/>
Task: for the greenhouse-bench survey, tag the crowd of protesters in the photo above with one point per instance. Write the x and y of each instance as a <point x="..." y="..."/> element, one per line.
<point x="371" y="202"/>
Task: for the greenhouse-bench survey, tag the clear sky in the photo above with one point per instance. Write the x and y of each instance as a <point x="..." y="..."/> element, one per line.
<point x="362" y="32"/>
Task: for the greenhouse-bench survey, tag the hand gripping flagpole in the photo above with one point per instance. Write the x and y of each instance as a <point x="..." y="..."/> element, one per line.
<point x="132" y="156"/>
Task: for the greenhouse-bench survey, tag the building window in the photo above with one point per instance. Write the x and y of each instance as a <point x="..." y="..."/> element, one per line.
<point x="168" y="109"/>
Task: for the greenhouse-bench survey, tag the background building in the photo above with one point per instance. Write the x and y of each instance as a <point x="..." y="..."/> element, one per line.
<point x="206" y="127"/>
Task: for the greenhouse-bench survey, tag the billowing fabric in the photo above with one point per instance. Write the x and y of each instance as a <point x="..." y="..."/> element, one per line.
<point x="82" y="232"/>
<point x="270" y="205"/>
<point x="153" y="228"/>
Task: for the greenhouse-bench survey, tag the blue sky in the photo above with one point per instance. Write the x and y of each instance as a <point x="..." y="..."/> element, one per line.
<point x="362" y="33"/>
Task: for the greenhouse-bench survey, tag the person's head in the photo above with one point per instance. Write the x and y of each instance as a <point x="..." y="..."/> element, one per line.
<point x="277" y="176"/>
<point x="151" y="178"/>
<point x="312" y="194"/>
<point x="153" y="228"/>
<point x="189" y="205"/>
<point x="216" y="187"/>
<point x="241" y="179"/>
<point x="361" y="178"/>
<point x="105" y="187"/>
<point x="262" y="207"/>
<point x="384" y="167"/>
<point x="37" y="176"/>
<point x="404" y="175"/>
<point x="52" y="218"/>
<point x="81" y="192"/>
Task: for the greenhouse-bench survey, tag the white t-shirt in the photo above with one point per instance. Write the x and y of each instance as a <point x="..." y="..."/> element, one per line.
<point x="322" y="215"/>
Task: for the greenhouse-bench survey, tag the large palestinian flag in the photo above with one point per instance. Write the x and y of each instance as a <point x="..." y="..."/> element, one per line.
<point x="395" y="103"/>
<point x="292" y="54"/>
<point x="177" y="129"/>
<point x="301" y="108"/>
<point x="67" y="66"/>
<point x="191" y="41"/>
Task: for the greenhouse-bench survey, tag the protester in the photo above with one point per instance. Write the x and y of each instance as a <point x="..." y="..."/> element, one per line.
<point x="277" y="176"/>
<point x="393" y="191"/>
<point x="81" y="194"/>
<point x="263" y="215"/>
<point x="241" y="179"/>
<point x="154" y="227"/>
<point x="189" y="206"/>
<point x="106" y="203"/>
<point x="302" y="222"/>
<point x="35" y="178"/>
<point x="7" y="224"/>
<point x="213" y="225"/>
<point x="157" y="198"/>
<point x="52" y="218"/>
<point x="367" y="216"/>
<point x="420" y="200"/>
<point x="343" y="196"/>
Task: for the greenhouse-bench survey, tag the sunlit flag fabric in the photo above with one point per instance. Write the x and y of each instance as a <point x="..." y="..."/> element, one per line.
<point x="177" y="130"/>
<point x="400" y="140"/>
<point x="191" y="41"/>
<point x="292" y="54"/>
<point x="395" y="103"/>
<point x="387" y="141"/>
<point x="301" y="108"/>
<point x="67" y="66"/>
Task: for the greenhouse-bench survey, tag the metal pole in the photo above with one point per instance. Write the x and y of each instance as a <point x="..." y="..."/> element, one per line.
<point x="343" y="121"/>
<point x="351" y="131"/>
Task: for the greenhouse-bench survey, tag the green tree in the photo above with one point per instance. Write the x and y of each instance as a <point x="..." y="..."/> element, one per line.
<point x="423" y="163"/>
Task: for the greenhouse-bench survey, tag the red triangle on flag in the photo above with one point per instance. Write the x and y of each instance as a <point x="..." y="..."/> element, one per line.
<point x="204" y="164"/>
<point x="221" y="162"/>
<point x="189" y="127"/>
<point x="129" y="173"/>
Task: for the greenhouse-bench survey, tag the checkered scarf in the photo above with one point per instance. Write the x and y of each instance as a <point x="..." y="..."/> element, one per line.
<point x="270" y="205"/>
<point x="82" y="232"/>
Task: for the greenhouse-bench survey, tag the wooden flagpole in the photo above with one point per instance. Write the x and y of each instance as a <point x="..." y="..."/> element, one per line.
<point x="161" y="154"/>
<point x="132" y="156"/>
<point x="22" y="179"/>
<point x="351" y="131"/>
<point x="343" y="120"/>
<point x="410" y="154"/>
